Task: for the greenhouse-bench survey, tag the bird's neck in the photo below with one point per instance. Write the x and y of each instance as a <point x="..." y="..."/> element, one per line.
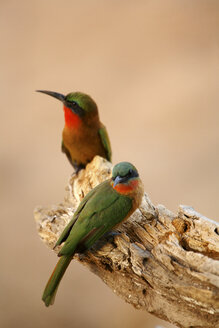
<point x="134" y="190"/>
<point x="127" y="188"/>
<point x="72" y="120"/>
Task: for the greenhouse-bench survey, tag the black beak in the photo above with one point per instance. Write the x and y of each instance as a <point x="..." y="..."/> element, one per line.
<point x="56" y="95"/>
<point x="118" y="180"/>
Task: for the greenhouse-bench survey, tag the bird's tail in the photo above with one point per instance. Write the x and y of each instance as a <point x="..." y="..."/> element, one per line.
<point x="53" y="282"/>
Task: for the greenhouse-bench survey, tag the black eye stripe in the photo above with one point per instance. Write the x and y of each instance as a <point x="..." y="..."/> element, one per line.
<point x="131" y="174"/>
<point x="73" y="105"/>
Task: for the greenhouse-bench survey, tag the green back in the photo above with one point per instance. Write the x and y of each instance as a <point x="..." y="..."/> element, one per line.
<point x="64" y="235"/>
<point x="100" y="210"/>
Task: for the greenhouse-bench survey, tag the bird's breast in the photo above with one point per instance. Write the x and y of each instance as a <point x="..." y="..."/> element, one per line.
<point x="82" y="143"/>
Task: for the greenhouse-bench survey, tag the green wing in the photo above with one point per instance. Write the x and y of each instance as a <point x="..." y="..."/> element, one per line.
<point x="105" y="141"/>
<point x="64" y="235"/>
<point x="104" y="209"/>
<point x="109" y="217"/>
<point x="65" y="232"/>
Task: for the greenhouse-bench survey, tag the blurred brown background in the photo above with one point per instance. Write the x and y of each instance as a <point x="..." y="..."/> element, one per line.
<point x="153" y="69"/>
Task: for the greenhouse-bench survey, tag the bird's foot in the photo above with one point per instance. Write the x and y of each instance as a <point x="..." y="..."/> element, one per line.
<point x="78" y="168"/>
<point x="111" y="234"/>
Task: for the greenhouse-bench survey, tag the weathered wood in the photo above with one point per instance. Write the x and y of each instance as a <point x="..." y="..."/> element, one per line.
<point x="157" y="261"/>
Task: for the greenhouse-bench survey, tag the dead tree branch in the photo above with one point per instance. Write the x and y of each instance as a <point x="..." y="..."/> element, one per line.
<point x="157" y="261"/>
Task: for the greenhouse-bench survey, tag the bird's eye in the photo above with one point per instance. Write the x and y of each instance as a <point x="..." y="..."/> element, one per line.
<point x="130" y="173"/>
<point x="73" y="103"/>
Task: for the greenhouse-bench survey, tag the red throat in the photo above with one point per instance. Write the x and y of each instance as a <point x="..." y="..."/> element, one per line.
<point x="123" y="188"/>
<point x="72" y="120"/>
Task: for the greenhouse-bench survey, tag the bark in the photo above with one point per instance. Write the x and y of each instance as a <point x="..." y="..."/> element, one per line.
<point x="158" y="261"/>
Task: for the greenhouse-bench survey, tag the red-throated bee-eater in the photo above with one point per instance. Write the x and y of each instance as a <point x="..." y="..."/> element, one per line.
<point x="101" y="210"/>
<point x="83" y="136"/>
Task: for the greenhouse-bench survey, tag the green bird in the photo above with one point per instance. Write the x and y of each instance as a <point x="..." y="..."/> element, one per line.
<point x="101" y="210"/>
<point x="83" y="136"/>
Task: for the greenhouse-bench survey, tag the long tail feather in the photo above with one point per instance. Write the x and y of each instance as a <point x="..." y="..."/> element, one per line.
<point x="53" y="282"/>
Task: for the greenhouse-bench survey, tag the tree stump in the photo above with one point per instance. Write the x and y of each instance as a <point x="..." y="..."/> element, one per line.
<point x="158" y="261"/>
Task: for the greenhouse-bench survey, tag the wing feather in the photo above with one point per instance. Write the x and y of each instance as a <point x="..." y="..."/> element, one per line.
<point x="105" y="141"/>
<point x="64" y="235"/>
<point x="99" y="215"/>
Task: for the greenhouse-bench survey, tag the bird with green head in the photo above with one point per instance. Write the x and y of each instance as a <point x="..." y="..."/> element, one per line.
<point x="83" y="136"/>
<point x="101" y="210"/>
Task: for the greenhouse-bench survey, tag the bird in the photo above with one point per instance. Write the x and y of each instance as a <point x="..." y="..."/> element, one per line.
<point x="101" y="210"/>
<point x="83" y="136"/>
